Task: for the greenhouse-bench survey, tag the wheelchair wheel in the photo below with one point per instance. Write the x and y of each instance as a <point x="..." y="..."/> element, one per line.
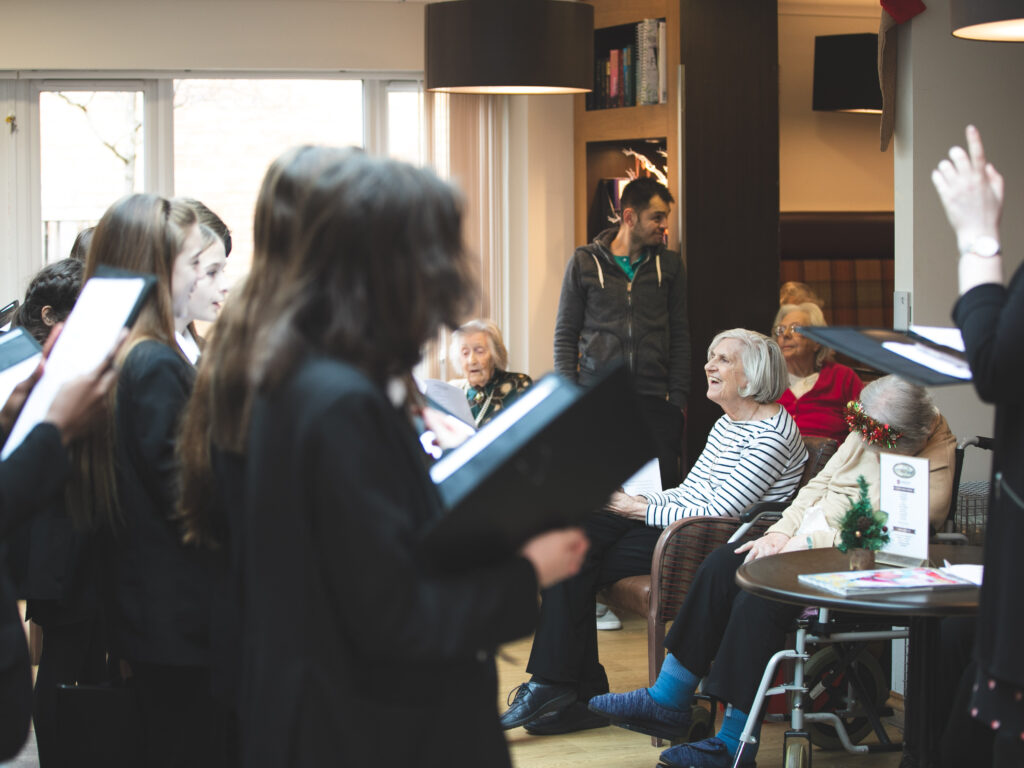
<point x="828" y="690"/>
<point x="797" y="754"/>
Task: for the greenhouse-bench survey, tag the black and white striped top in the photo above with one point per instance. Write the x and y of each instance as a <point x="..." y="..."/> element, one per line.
<point x="743" y="462"/>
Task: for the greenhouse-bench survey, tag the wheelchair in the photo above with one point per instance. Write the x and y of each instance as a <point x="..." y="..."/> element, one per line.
<point x="837" y="695"/>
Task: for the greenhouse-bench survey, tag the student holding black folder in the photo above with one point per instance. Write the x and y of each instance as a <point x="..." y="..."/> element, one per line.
<point x="355" y="651"/>
<point x="33" y="475"/>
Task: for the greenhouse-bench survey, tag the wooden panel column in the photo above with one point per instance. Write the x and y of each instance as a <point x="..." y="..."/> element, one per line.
<point x="731" y="135"/>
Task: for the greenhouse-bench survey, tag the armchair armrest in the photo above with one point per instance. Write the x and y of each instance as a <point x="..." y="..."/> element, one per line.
<point x="754" y="513"/>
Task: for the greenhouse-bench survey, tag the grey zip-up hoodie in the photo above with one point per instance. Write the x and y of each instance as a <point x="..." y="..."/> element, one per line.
<point x="603" y="318"/>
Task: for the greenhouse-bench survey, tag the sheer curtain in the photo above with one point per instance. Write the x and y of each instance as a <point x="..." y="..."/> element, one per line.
<point x="466" y="138"/>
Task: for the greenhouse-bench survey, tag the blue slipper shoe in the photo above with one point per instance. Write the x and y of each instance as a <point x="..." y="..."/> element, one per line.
<point x="709" y="753"/>
<point x="637" y="711"/>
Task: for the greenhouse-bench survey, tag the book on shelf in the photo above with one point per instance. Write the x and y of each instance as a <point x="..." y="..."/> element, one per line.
<point x="662" y="63"/>
<point x="614" y="72"/>
<point x="887" y="580"/>
<point x="628" y="78"/>
<point x="647" y="64"/>
<point x="629" y="66"/>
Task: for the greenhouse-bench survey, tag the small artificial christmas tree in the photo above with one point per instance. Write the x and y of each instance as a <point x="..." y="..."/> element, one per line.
<point x="863" y="527"/>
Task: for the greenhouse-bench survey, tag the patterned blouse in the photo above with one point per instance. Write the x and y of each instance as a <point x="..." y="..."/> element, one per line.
<point x="500" y="392"/>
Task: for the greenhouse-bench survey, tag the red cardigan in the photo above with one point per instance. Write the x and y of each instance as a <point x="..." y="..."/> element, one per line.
<point x="821" y="410"/>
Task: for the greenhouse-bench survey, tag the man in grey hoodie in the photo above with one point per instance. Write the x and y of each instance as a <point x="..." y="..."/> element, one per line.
<point x="624" y="299"/>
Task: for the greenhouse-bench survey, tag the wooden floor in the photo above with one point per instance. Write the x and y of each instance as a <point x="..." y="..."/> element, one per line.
<point x="624" y="655"/>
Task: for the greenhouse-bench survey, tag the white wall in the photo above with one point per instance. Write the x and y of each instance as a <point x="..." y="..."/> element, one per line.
<point x="944" y="83"/>
<point x="541" y="225"/>
<point x="827" y="161"/>
<point x="212" y="34"/>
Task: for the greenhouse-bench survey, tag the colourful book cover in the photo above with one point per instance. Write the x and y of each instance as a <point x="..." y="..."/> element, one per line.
<point x="614" y="70"/>
<point x="884" y="580"/>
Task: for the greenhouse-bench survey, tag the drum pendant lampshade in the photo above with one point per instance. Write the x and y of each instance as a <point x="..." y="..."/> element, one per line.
<point x="846" y="74"/>
<point x="509" y="46"/>
<point x="996" y="20"/>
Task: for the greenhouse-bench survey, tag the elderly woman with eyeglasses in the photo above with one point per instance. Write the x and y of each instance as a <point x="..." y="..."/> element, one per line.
<point x="819" y="388"/>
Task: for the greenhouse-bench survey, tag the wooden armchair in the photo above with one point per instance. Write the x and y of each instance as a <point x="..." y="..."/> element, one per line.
<point x="681" y="549"/>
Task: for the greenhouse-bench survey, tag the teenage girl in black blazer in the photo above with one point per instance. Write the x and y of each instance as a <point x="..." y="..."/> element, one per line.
<point x="30" y="478"/>
<point x="156" y="590"/>
<point x="349" y="636"/>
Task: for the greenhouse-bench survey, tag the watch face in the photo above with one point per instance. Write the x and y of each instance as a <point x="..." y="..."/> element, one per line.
<point x="984" y="246"/>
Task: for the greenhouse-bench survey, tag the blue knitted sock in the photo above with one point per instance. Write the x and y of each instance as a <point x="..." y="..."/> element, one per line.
<point x="675" y="685"/>
<point x="732" y="727"/>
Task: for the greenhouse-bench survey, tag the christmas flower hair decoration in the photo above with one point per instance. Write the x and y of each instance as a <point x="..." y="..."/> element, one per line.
<point x="873" y="431"/>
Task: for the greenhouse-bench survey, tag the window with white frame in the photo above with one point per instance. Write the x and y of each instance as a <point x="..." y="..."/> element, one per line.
<point x="75" y="146"/>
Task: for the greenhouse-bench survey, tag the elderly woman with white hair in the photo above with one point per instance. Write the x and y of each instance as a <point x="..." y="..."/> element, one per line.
<point x="819" y="388"/>
<point x="754" y="453"/>
<point x="479" y="354"/>
<point x="739" y="631"/>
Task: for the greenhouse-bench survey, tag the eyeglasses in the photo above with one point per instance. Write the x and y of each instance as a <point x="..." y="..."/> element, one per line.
<point x="782" y="330"/>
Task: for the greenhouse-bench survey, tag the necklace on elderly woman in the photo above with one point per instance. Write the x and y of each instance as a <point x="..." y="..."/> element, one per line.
<point x="483" y="408"/>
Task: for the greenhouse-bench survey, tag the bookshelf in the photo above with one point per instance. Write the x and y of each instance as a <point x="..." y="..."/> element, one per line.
<point x="601" y="134"/>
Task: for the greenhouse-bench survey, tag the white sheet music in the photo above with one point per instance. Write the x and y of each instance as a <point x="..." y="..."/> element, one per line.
<point x="506" y="417"/>
<point x="947" y="337"/>
<point x="931" y="358"/>
<point x="647" y="479"/>
<point x="92" y="328"/>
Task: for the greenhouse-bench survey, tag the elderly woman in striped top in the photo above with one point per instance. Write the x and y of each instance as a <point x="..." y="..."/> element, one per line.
<point x="754" y="452"/>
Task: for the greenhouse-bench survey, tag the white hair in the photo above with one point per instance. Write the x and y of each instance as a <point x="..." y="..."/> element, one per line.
<point x="816" y="317"/>
<point x="906" y="407"/>
<point x="487" y="327"/>
<point x="763" y="364"/>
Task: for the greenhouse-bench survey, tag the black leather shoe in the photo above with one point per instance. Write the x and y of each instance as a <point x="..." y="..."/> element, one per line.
<point x="575" y="717"/>
<point x="532" y="700"/>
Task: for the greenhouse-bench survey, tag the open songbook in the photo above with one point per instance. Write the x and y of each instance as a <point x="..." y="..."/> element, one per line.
<point x="924" y="355"/>
<point x="108" y="302"/>
<point x="19" y="356"/>
<point x="553" y="455"/>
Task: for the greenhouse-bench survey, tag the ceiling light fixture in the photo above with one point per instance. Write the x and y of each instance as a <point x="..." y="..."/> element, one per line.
<point x="846" y="74"/>
<point x="993" y="20"/>
<point x="509" y="46"/>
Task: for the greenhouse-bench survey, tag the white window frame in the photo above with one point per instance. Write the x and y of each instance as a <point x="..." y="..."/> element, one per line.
<point x="20" y="184"/>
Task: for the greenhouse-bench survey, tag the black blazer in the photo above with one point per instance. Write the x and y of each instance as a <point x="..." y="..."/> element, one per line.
<point x="354" y="653"/>
<point x="991" y="318"/>
<point x="31" y="476"/>
<point x="158" y="589"/>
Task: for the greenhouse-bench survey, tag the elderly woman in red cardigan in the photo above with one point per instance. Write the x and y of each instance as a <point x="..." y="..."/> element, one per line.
<point x="819" y="388"/>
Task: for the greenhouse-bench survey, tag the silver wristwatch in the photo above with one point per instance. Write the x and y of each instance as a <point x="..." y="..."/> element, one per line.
<point x="985" y="246"/>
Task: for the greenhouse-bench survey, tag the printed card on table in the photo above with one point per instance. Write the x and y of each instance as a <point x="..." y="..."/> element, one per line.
<point x="903" y="496"/>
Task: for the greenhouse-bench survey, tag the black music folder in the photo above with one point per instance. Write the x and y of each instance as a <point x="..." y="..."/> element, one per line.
<point x="544" y="462"/>
<point x="913" y="355"/>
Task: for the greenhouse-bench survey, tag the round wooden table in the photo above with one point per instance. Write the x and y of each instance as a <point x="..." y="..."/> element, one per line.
<point x="775" y="578"/>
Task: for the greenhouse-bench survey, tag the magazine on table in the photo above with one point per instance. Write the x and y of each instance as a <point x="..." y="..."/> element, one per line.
<point x="883" y="580"/>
